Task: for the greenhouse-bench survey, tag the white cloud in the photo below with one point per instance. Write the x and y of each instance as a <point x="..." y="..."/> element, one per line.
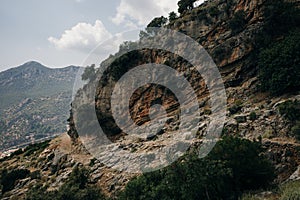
<point x="83" y="37"/>
<point x="141" y="12"/>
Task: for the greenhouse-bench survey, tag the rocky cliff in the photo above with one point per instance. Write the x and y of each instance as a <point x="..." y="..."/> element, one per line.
<point x="231" y="32"/>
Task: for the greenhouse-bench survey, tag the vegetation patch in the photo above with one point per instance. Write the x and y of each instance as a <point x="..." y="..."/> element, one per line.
<point x="224" y="174"/>
<point x="9" y="178"/>
<point x="76" y="188"/>
<point x="238" y="22"/>
<point x="279" y="70"/>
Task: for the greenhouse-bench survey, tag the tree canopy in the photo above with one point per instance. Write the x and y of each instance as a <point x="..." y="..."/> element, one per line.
<point x="184" y="5"/>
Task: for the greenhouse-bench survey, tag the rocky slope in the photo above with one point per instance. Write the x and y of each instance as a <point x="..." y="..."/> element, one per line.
<point x="229" y="31"/>
<point x="34" y="102"/>
<point x="233" y="46"/>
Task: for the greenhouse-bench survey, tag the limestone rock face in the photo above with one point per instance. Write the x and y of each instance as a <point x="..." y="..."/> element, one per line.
<point x="233" y="50"/>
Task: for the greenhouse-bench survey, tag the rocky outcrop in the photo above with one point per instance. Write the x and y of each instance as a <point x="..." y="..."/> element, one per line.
<point x="228" y="30"/>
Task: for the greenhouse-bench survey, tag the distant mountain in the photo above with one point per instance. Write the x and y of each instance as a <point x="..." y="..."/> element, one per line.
<point x="34" y="102"/>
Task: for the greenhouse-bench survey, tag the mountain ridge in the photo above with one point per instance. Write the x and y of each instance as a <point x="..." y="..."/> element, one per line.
<point x="27" y="91"/>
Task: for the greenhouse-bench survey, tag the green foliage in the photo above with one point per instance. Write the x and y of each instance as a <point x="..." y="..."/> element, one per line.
<point x="234" y="165"/>
<point x="122" y="64"/>
<point x="213" y="11"/>
<point x="155" y="23"/>
<point x="191" y="179"/>
<point x="279" y="65"/>
<point x="238" y="22"/>
<point x="127" y="46"/>
<point x="184" y="5"/>
<point x="253" y="116"/>
<point x="290" y="191"/>
<point x="8" y="178"/>
<point x="219" y="53"/>
<point x="76" y="188"/>
<point x="16" y="153"/>
<point x="38" y="192"/>
<point x="296" y="130"/>
<point x="158" y="22"/>
<point x="250" y="170"/>
<point x="35" y="147"/>
<point x="280" y="17"/>
<point x="235" y="108"/>
<point x="290" y="110"/>
<point x="89" y="73"/>
<point x="172" y="16"/>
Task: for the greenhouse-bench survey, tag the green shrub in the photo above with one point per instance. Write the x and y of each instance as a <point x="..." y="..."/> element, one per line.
<point x="191" y="179"/>
<point x="38" y="192"/>
<point x="290" y="110"/>
<point x="296" y="130"/>
<point x="279" y="70"/>
<point x="234" y="165"/>
<point x="76" y="188"/>
<point x="172" y="16"/>
<point x="213" y="11"/>
<point x="184" y="5"/>
<point x="8" y="178"/>
<point x="89" y="73"/>
<point x="253" y="116"/>
<point x="250" y="169"/>
<point x="16" y="153"/>
<point x="236" y="107"/>
<point x="219" y="53"/>
<point x="238" y="22"/>
<point x="280" y="17"/>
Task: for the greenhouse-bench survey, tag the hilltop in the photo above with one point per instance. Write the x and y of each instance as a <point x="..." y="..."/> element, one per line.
<point x="35" y="102"/>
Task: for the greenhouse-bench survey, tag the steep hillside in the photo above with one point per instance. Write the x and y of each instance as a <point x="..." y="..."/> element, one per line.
<point x="237" y="34"/>
<point x="34" y="102"/>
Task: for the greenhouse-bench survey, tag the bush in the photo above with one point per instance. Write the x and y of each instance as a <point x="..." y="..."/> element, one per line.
<point x="76" y="188"/>
<point x="238" y="22"/>
<point x="172" y="16"/>
<point x="234" y="165"/>
<point x="191" y="179"/>
<point x="8" y="178"/>
<point x="280" y="17"/>
<point x="279" y="70"/>
<point x="250" y="169"/>
<point x="35" y="147"/>
<point x="213" y="11"/>
<point x="296" y="130"/>
<point x="290" y="110"/>
<point x="184" y="5"/>
<point x="236" y="107"/>
<point x="89" y="73"/>
<point x="252" y="116"/>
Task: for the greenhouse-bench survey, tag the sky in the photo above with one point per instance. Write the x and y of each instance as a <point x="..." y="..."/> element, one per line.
<point x="60" y="33"/>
